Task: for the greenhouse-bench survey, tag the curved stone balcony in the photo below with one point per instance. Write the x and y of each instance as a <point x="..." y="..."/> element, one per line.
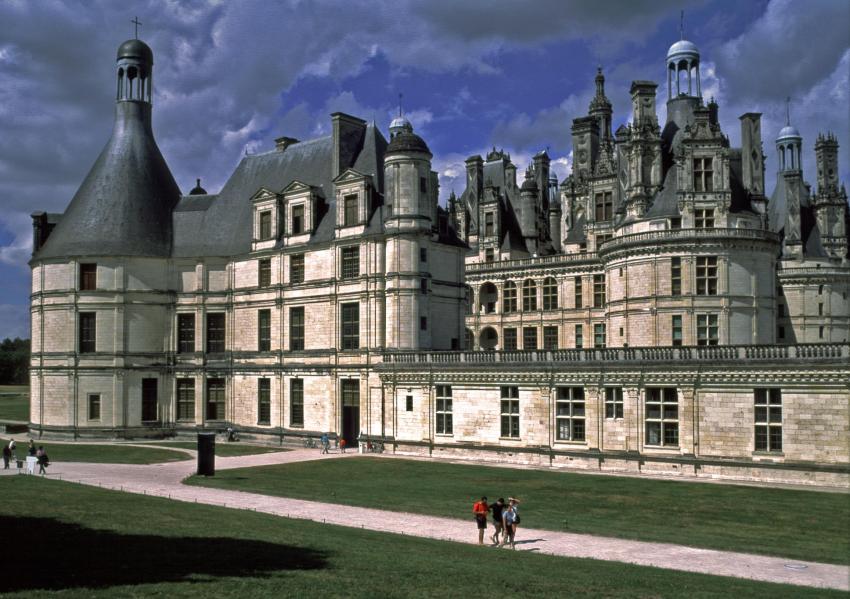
<point x="653" y="239"/>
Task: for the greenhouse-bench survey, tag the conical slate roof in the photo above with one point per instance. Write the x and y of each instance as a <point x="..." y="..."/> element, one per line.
<point x="123" y="207"/>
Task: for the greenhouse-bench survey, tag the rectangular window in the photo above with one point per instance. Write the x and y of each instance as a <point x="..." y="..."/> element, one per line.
<point x="529" y="338"/>
<point x="569" y="414"/>
<point x="423" y="323"/>
<point x="702" y="174"/>
<point x="509" y="298"/>
<point x="296" y="328"/>
<point x="88" y="332"/>
<point x="423" y="185"/>
<point x="510" y="412"/>
<point x="550" y="337"/>
<point x="423" y="286"/>
<point x="423" y="254"/>
<point x="676" y="223"/>
<point x="489" y="256"/>
<point x="780" y="309"/>
<point x="215" y="399"/>
<point x="707" y="275"/>
<point x="298" y="219"/>
<point x="185" y="333"/>
<point x="707" y="329"/>
<point x="296" y="268"/>
<point x="94" y="406"/>
<point x="509" y="339"/>
<point x="408" y="403"/>
<point x="264" y="272"/>
<point x="185" y="399"/>
<point x="599" y="335"/>
<point x="88" y="277"/>
<point x="350" y="216"/>
<point x="149" y="400"/>
<point x="264" y="330"/>
<point x="529" y="296"/>
<point x="579" y="336"/>
<point x="265" y="225"/>
<point x="351" y="262"/>
<point x="613" y="402"/>
<point x="489" y="224"/>
<point x="676" y="326"/>
<point x="662" y="416"/>
<point x="579" y="292"/>
<point x="264" y="401"/>
<point x="350" y="317"/>
<point x="550" y="294"/>
<point x="768" y="419"/>
<point x="675" y="276"/>
<point x="604" y="206"/>
<point x="598" y="291"/>
<point x="296" y="402"/>
<point x="444" y="410"/>
<point x="350" y="393"/>
<point x="704" y="219"/>
<point x="215" y="332"/>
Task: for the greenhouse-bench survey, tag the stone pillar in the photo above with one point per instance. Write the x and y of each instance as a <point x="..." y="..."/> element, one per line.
<point x="687" y="435"/>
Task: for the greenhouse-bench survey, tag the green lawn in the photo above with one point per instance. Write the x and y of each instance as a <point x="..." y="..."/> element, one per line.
<point x="105" y="454"/>
<point x="226" y="450"/>
<point x="806" y="525"/>
<point x="15" y="402"/>
<point x="132" y="546"/>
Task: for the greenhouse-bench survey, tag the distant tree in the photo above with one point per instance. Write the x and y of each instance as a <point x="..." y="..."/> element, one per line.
<point x="14" y="361"/>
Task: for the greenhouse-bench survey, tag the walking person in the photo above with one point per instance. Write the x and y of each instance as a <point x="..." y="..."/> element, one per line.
<point x="43" y="460"/>
<point x="12" y="447"/>
<point x="31" y="448"/>
<point x="479" y="510"/>
<point x="508" y="516"/>
<point x="342" y="444"/>
<point x="497" y="509"/>
<point x="325" y="443"/>
<point x="7" y="455"/>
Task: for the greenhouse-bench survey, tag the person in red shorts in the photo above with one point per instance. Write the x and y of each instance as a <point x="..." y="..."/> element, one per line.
<point x="342" y="443"/>
<point x="480" y="509"/>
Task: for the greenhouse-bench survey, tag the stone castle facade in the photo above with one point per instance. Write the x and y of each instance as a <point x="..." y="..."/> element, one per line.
<point x="653" y="312"/>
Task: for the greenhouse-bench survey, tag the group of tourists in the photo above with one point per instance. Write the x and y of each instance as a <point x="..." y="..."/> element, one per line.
<point x="40" y="454"/>
<point x="505" y="520"/>
<point x="326" y="443"/>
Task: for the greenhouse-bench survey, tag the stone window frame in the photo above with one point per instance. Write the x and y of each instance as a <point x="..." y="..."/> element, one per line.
<point x="94" y="405"/>
<point x="489" y="223"/>
<point x="296" y="402"/>
<point x="550" y="337"/>
<point x="87" y="341"/>
<point x="703" y="170"/>
<point x="509" y="297"/>
<point x="599" y="291"/>
<point x="150" y="400"/>
<point x="661" y="413"/>
<point x="676" y="330"/>
<point x="600" y="338"/>
<point x="579" y="336"/>
<point x="767" y="420"/>
<point x="614" y="403"/>
<point x="570" y="414"/>
<point x="216" y="343"/>
<point x="88" y="276"/>
<point x="264" y="401"/>
<point x="489" y="255"/>
<point x="408" y="403"/>
<point x="186" y="334"/>
<point x="707" y="269"/>
<point x="708" y="328"/>
<point x="297" y="326"/>
<point x="529" y="295"/>
<point x="265" y="226"/>
<point x="603" y="202"/>
<point x="293" y="218"/>
<point x="509" y="333"/>
<point x="349" y="325"/>
<point x="443" y="411"/>
<point x="529" y="338"/>
<point x="264" y="272"/>
<point x="704" y="218"/>
<point x="350" y="209"/>
<point x="215" y="396"/>
<point x="578" y="292"/>
<point x="550" y="293"/>
<point x="185" y="399"/>
<point x="349" y="262"/>
<point x="264" y="330"/>
<point x="509" y="412"/>
<point x="676" y="276"/>
<point x="296" y="268"/>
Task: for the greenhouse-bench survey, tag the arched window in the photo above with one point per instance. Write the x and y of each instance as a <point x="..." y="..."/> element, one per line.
<point x="509" y="295"/>
<point x="487" y="298"/>
<point x="488" y="339"/>
<point x="550" y="294"/>
<point x="529" y="296"/>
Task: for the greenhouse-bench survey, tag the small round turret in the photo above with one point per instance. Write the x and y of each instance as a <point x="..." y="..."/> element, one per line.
<point x="198" y="190"/>
<point x="136" y="49"/>
<point x="135" y="71"/>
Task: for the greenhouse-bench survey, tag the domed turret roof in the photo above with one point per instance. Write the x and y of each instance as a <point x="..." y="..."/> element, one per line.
<point x="400" y="122"/>
<point x="529" y="184"/>
<point x="683" y="49"/>
<point x="407" y="142"/>
<point x="198" y="190"/>
<point x="789" y="132"/>
<point x="135" y="48"/>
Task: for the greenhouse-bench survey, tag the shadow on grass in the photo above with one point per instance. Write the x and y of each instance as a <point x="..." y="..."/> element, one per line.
<point x="61" y="555"/>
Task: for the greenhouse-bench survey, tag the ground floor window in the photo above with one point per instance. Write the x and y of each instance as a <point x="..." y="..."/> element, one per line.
<point x="215" y="399"/>
<point x="613" y="402"/>
<point x="662" y="416"/>
<point x="510" y="412"/>
<point x="569" y="414"/>
<point x="94" y="406"/>
<point x="768" y="419"/>
<point x="444" y="410"/>
<point x="185" y="399"/>
<point x="264" y="401"/>
<point x="149" y="400"/>
<point x="296" y="402"/>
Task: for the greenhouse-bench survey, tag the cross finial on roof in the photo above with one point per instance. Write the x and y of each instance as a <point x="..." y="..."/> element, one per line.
<point x="788" y="110"/>
<point x="135" y="21"/>
<point x="682" y="25"/>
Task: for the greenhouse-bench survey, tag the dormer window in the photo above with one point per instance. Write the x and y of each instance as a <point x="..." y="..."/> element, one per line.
<point x="350" y="210"/>
<point x="703" y="174"/>
<point x="298" y="219"/>
<point x="489" y="224"/>
<point x="704" y="219"/>
<point x="265" y="225"/>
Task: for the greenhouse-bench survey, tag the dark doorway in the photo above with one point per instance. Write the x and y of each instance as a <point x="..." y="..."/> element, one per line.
<point x="149" y="401"/>
<point x="350" y="411"/>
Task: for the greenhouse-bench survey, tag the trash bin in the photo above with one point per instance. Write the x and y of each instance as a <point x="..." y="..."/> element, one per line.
<point x="206" y="454"/>
<point x="20" y="464"/>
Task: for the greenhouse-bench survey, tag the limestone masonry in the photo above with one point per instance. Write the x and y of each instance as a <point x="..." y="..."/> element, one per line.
<point x="654" y="312"/>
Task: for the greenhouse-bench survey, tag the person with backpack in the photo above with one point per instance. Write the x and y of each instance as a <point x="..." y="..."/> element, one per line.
<point x="480" y="510"/>
<point x="497" y="508"/>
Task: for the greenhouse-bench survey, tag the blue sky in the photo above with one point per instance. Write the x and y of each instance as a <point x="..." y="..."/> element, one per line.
<point x="229" y="77"/>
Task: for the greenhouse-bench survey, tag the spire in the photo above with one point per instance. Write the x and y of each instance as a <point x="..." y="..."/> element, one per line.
<point x="682" y="25"/>
<point x="135" y="21"/>
<point x="788" y="111"/>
